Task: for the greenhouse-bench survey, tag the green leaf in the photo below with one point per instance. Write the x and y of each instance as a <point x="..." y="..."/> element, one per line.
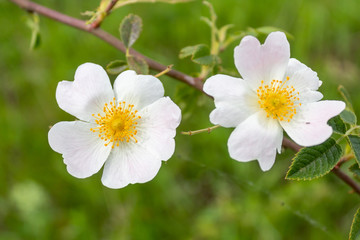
<point x="348" y="117"/>
<point x="314" y="162"/>
<point x="200" y="54"/>
<point x="139" y="65"/>
<point x="116" y="67"/>
<point x="206" y="60"/>
<point x="355" y="145"/>
<point x="199" y="50"/>
<point x="130" y="29"/>
<point x="337" y="125"/>
<point x="345" y="94"/>
<point x="355" y="227"/>
<point x="355" y="170"/>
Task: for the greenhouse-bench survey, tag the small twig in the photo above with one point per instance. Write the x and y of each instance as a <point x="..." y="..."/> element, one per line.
<point x="127" y="2"/>
<point x="165" y="71"/>
<point x="208" y="130"/>
<point x="102" y="16"/>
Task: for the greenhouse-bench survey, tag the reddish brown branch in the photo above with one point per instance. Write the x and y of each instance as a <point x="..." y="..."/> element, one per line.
<point x="194" y="82"/>
<point x="287" y="143"/>
<point x="105" y="36"/>
<point x="100" y="18"/>
<point x="349" y="181"/>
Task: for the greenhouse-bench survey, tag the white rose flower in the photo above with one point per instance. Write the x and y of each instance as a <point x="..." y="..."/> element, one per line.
<point x="276" y="92"/>
<point x="129" y="129"/>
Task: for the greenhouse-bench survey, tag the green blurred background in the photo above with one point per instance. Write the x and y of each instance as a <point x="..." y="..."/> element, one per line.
<point x="200" y="193"/>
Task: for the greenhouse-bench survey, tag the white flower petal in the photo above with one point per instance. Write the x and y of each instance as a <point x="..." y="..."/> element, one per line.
<point x="83" y="151"/>
<point x="265" y="62"/>
<point x="87" y="94"/>
<point x="233" y="98"/>
<point x="309" y="96"/>
<point x="301" y="77"/>
<point x="258" y="138"/>
<point x="140" y="90"/>
<point x="157" y="128"/>
<point x="128" y="164"/>
<point x="309" y="126"/>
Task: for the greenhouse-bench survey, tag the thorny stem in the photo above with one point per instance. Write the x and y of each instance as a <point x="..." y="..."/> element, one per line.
<point x="105" y="36"/>
<point x="208" y="130"/>
<point x="101" y="18"/>
<point x="110" y="39"/>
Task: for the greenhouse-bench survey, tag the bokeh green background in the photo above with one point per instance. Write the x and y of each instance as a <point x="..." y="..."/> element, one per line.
<point x="200" y="193"/>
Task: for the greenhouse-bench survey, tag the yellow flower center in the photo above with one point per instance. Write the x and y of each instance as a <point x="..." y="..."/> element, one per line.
<point x="117" y="123"/>
<point x="279" y="101"/>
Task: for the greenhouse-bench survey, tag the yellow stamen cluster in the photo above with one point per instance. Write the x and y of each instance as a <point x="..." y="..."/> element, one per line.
<point x="117" y="123"/>
<point x="279" y="101"/>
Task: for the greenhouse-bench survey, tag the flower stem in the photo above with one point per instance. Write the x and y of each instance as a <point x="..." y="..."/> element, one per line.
<point x="208" y="130"/>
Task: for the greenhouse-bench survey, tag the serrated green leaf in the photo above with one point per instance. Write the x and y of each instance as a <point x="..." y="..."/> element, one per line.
<point x="355" y="170"/>
<point x="348" y="117"/>
<point x="200" y="49"/>
<point x="355" y="227"/>
<point x="314" y="162"/>
<point x="139" y="65"/>
<point x="130" y="29"/>
<point x="345" y="94"/>
<point x="116" y="67"/>
<point x="355" y="146"/>
<point x="337" y="125"/>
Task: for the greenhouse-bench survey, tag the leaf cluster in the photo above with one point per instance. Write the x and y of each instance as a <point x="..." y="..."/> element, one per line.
<point x="316" y="161"/>
<point x="130" y="29"/>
